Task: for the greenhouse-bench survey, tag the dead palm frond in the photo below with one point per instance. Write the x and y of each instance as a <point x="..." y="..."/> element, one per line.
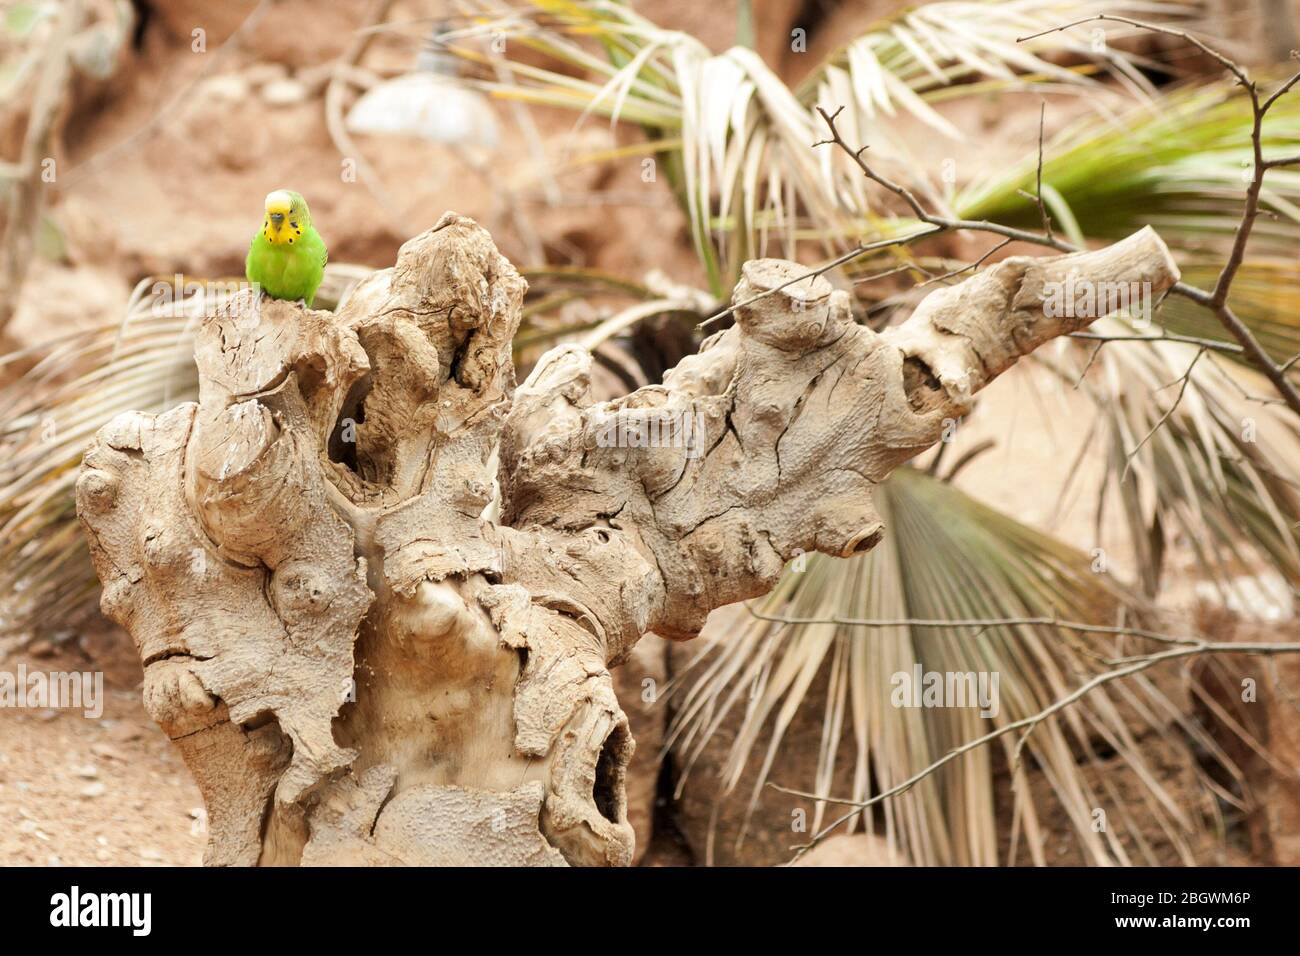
<point x="946" y="558"/>
<point x="1194" y="454"/>
<point x="739" y="157"/>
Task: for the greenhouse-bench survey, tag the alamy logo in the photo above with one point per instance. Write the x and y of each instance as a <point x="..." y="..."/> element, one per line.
<point x="103" y="909"/>
<point x="946" y="689"/>
<point x="176" y="297"/>
<point x="652" y="428"/>
<point x="1077" y="298"/>
<point x="79" y="690"/>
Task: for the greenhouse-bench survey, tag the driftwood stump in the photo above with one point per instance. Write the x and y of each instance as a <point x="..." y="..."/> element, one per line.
<point x="376" y="589"/>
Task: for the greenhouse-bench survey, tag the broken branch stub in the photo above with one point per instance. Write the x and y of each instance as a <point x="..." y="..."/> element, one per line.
<point x="360" y="665"/>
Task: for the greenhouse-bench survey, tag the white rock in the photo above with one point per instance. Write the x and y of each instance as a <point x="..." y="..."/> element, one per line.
<point x="229" y="87"/>
<point x="284" y="93"/>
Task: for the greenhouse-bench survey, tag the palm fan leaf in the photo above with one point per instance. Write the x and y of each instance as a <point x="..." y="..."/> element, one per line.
<point x="741" y="165"/>
<point x="946" y="557"/>
<point x="1192" y="453"/>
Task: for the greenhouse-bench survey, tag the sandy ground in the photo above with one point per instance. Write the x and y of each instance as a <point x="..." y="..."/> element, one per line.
<point x="92" y="792"/>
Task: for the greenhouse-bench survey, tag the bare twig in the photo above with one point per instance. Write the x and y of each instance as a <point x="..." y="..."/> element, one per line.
<point x="27" y="190"/>
<point x="1165" y="336"/>
<point x="837" y="261"/>
<point x="905" y="267"/>
<point x="336" y="90"/>
<point x="1133" y="666"/>
<point x="1250" y="346"/>
<point x="1216" y="300"/>
<point x="941" y="223"/>
<point x="966" y="268"/>
<point x="1042" y="209"/>
<point x="1182" y="390"/>
<point x="970" y="455"/>
<point x="982" y="624"/>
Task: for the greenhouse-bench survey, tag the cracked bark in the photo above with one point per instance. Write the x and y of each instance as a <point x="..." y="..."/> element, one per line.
<point x="360" y="664"/>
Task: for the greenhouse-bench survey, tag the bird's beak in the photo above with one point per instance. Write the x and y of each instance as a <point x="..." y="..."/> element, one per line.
<point x="277" y="219"/>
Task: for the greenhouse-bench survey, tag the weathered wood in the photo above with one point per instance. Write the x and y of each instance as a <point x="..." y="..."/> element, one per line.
<point x="360" y="665"/>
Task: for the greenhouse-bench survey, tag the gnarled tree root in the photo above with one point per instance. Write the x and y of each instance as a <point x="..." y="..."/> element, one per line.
<point x="360" y="666"/>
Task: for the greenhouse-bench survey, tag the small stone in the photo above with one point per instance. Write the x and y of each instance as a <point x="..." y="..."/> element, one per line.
<point x="41" y="648"/>
<point x="87" y="771"/>
<point x="284" y="93"/>
<point x="102" y="854"/>
<point x="229" y="87"/>
<point x="150" y="853"/>
<point x="107" y="752"/>
<point x="96" y="789"/>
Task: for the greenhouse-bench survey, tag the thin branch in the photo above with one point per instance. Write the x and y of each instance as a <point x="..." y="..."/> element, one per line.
<point x="1132" y="667"/>
<point x="1210" y="300"/>
<point x="1164" y="336"/>
<point x="1184" y="379"/>
<point x="335" y="124"/>
<point x="1232" y="67"/>
<point x="982" y="623"/>
<point x="942" y="223"/>
<point x="1281" y="161"/>
<point x="1042" y="209"/>
<point x="837" y="261"/>
<point x="971" y="454"/>
<point x="905" y="267"/>
<point x="967" y="268"/>
<point x="1217" y="299"/>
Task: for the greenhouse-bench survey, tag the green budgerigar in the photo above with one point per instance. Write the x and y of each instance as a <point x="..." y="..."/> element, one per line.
<point x="287" y="256"/>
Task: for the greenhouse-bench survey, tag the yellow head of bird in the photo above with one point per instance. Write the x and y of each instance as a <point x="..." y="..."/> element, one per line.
<point x="286" y="217"/>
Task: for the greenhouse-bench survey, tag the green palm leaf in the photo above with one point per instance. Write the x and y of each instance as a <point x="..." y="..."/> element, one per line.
<point x="1177" y="165"/>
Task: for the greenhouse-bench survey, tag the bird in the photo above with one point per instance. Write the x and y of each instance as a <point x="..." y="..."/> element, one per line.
<point x="287" y="256"/>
